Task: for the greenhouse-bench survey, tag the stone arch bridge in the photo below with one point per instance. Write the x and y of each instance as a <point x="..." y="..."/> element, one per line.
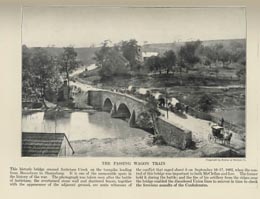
<point x="118" y="104"/>
<point x="125" y="106"/>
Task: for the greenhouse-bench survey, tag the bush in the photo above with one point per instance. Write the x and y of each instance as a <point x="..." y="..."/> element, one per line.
<point x="144" y="120"/>
<point x="205" y="103"/>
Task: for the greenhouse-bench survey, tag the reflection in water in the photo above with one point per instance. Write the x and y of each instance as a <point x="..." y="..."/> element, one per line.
<point x="81" y="125"/>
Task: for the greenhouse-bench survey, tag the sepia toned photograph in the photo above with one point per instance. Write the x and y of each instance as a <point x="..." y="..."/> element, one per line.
<point x="133" y="82"/>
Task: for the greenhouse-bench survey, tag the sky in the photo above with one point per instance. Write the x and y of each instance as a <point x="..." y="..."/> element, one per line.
<point x="82" y="26"/>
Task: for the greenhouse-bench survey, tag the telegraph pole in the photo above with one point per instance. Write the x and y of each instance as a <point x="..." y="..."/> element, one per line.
<point x="166" y="101"/>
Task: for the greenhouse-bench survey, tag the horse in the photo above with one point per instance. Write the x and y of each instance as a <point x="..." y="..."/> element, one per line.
<point x="227" y="138"/>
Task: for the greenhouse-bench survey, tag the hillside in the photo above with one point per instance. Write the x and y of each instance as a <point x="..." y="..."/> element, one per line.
<point x="162" y="47"/>
<point x="86" y="54"/>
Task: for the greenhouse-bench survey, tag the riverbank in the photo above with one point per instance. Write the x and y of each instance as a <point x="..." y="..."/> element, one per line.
<point x="96" y="134"/>
<point x="161" y="80"/>
<point x="61" y="113"/>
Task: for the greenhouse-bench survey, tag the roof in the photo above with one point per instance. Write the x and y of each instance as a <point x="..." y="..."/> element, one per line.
<point x="216" y="127"/>
<point x="174" y="101"/>
<point x="158" y="95"/>
<point x="149" y="54"/>
<point x="143" y="90"/>
<point x="42" y="144"/>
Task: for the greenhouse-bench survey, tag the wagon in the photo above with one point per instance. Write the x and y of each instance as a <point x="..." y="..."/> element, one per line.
<point x="219" y="134"/>
<point x="178" y="108"/>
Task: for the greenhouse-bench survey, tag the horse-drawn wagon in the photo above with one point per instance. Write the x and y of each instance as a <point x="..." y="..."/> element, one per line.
<point x="218" y="133"/>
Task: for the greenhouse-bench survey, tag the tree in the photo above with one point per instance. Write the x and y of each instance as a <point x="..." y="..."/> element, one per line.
<point x="41" y="77"/>
<point x="188" y="56"/>
<point x="181" y="62"/>
<point x="209" y="53"/>
<point x="152" y="110"/>
<point x="224" y="56"/>
<point x="131" y="51"/>
<point x="111" y="61"/>
<point x="27" y="80"/>
<point x="217" y="72"/>
<point x="188" y="53"/>
<point x="241" y="73"/>
<point x="205" y="103"/>
<point x="207" y="62"/>
<point x="238" y="53"/>
<point x="114" y="64"/>
<point x="42" y="67"/>
<point x="100" y="56"/>
<point x="150" y="63"/>
<point x="55" y="81"/>
<point x="68" y="62"/>
<point x="169" y="60"/>
<point x="26" y="56"/>
<point x="154" y="63"/>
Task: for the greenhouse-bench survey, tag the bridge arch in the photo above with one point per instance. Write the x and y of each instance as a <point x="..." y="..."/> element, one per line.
<point x="123" y="111"/>
<point x="107" y="106"/>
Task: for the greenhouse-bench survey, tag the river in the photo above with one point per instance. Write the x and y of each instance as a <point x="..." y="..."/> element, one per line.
<point x="80" y="125"/>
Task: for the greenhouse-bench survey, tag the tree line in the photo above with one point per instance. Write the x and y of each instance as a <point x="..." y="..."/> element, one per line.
<point x="43" y="74"/>
<point x="126" y="58"/>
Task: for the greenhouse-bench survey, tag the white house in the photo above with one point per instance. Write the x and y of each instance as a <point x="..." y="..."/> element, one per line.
<point x="146" y="55"/>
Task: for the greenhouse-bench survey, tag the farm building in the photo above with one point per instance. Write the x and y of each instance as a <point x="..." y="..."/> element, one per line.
<point x="146" y="55"/>
<point x="143" y="91"/>
<point x="46" y="144"/>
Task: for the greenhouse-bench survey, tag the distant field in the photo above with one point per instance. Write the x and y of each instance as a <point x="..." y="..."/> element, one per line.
<point x="162" y="47"/>
<point x="86" y="54"/>
<point x="233" y="116"/>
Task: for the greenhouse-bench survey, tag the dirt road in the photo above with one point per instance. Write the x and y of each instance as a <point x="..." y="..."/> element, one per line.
<point x="201" y="129"/>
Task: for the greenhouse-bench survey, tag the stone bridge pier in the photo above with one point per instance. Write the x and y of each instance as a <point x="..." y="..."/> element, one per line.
<point x="119" y="105"/>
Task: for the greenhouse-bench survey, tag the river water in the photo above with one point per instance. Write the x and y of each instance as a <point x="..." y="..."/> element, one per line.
<point x="80" y="125"/>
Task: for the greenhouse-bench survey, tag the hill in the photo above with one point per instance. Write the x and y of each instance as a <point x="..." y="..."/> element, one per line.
<point x="162" y="47"/>
<point x="86" y="54"/>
